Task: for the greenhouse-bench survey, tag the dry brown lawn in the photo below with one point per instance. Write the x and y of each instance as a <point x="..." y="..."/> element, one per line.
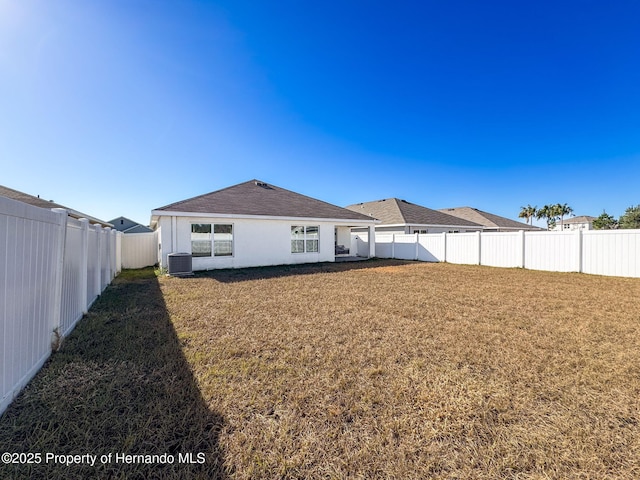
<point x="388" y="369"/>
<point x="379" y="369"/>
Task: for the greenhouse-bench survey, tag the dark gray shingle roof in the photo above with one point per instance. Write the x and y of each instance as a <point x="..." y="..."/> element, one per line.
<point x="393" y="211"/>
<point x="489" y="220"/>
<point x="42" y="203"/>
<point x="259" y="198"/>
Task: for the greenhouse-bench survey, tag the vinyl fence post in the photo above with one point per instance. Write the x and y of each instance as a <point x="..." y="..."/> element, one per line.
<point x="579" y="250"/>
<point x="444" y="246"/>
<point x="393" y="245"/>
<point x="59" y="266"/>
<point x="521" y="247"/>
<point x="112" y="252"/>
<point x="107" y="252"/>
<point x="417" y="245"/>
<point x="479" y="235"/>
<point x="119" y="252"/>
<point x="84" y="263"/>
<point x="98" y="261"/>
<point x="372" y="241"/>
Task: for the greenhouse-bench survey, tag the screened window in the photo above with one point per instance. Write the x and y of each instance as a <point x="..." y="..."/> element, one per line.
<point x="208" y="240"/>
<point x="201" y="239"/>
<point x="312" y="239"/>
<point x="305" y="239"/>
<point x="222" y="240"/>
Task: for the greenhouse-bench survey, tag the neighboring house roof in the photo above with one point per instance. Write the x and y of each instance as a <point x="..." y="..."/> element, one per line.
<point x="126" y="225"/>
<point x="488" y="220"/>
<point x="580" y="219"/>
<point x="138" y="229"/>
<point x="48" y="204"/>
<point x="393" y="211"/>
<point x="257" y="198"/>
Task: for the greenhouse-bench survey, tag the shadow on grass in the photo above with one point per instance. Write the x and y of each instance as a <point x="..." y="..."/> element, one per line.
<point x="259" y="273"/>
<point x="119" y="385"/>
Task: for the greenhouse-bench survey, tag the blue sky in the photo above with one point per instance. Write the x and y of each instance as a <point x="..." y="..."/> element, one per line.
<point x="118" y="107"/>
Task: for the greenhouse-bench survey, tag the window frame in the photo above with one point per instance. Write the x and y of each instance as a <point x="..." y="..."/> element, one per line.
<point x="212" y="240"/>
<point x="307" y="239"/>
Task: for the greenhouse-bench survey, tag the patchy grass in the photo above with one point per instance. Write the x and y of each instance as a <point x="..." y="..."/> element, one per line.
<point x="379" y="369"/>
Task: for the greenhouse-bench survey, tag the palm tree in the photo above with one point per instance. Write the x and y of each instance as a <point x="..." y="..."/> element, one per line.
<point x="528" y="212"/>
<point x="561" y="211"/>
<point x="550" y="213"/>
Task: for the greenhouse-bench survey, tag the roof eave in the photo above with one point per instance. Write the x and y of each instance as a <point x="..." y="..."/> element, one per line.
<point x="429" y="225"/>
<point x="155" y="214"/>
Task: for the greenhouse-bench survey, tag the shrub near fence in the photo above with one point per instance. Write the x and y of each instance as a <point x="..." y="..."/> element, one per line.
<point x="53" y="268"/>
<point x="600" y="252"/>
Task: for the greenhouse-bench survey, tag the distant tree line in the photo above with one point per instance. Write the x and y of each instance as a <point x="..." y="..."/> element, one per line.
<point x="629" y="219"/>
<point x="551" y="213"/>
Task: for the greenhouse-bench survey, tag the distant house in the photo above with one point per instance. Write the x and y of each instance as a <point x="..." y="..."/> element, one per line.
<point x="400" y="216"/>
<point x="583" y="222"/>
<point x="48" y="204"/>
<point x="126" y="225"/>
<point x="254" y="224"/>
<point x="489" y="221"/>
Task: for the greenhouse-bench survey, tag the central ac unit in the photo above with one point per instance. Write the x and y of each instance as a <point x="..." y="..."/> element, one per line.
<point x="180" y="264"/>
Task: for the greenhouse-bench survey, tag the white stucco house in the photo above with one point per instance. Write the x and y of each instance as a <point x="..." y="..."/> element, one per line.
<point x="400" y="216"/>
<point x="582" y="222"/>
<point x="255" y="224"/>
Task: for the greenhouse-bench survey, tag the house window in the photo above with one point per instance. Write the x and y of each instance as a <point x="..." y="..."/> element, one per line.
<point x="223" y="240"/>
<point x="207" y="239"/>
<point x="304" y="239"/>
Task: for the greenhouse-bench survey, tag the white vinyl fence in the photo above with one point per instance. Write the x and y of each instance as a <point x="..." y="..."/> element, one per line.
<point x="600" y="252"/>
<point x="139" y="250"/>
<point x="52" y="269"/>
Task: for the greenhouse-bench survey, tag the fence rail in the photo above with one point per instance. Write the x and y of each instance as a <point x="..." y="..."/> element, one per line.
<point x="52" y="269"/>
<point x="600" y="252"/>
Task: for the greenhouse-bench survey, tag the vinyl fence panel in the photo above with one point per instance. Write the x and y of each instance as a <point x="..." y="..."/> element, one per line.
<point x="51" y="269"/>
<point x="463" y="248"/>
<point x="502" y="249"/>
<point x="552" y="251"/>
<point x="93" y="264"/>
<point x="105" y="271"/>
<point x="431" y="247"/>
<point x="405" y="247"/>
<point x="360" y="244"/>
<point x="384" y="245"/>
<point x="611" y="252"/>
<point x="72" y="303"/>
<point x="29" y="246"/>
<point x="139" y="250"/>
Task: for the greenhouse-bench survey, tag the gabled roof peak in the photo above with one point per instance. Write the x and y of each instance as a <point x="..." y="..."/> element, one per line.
<point x="396" y="211"/>
<point x="258" y="198"/>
